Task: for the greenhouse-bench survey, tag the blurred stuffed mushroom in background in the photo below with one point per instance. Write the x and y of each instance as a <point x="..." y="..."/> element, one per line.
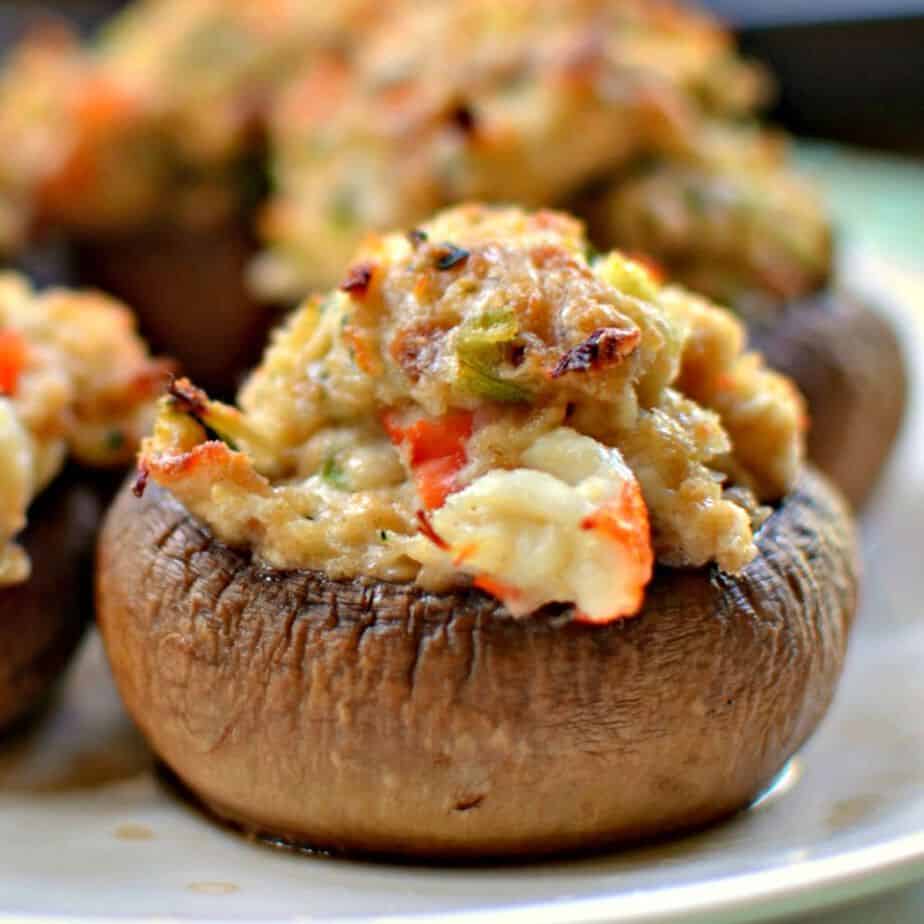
<point x="492" y="522"/>
<point x="76" y="395"/>
<point x="145" y="147"/>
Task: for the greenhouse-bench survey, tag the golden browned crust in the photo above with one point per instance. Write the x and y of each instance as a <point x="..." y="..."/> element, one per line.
<point x="188" y="287"/>
<point x="377" y="717"/>
<point x="43" y="619"/>
<point x="847" y="361"/>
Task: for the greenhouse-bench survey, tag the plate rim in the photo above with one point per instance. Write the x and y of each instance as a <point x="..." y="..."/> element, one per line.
<point x="807" y="886"/>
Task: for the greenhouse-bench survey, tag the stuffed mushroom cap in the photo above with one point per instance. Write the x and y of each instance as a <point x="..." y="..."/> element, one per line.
<point x="495" y="518"/>
<point x="365" y="716"/>
<point x="75" y="382"/>
<point x="478" y="390"/>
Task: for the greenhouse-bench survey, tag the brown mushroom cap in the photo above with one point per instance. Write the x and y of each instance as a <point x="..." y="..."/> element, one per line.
<point x="188" y="286"/>
<point x="368" y="716"/>
<point x="847" y="361"/>
<point x="43" y="619"/>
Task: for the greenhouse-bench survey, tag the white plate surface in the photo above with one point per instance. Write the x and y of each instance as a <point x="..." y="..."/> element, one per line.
<point x="87" y="831"/>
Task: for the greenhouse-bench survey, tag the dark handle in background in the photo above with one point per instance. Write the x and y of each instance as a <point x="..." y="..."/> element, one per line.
<point x="859" y="82"/>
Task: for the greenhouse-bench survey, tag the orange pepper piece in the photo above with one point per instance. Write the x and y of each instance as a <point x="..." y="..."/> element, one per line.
<point x="624" y="520"/>
<point x="435" y="479"/>
<point x="13" y="356"/>
<point x="436" y="451"/>
<point x="496" y="588"/>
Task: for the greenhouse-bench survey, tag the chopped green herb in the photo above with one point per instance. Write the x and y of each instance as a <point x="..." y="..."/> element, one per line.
<point x="478" y="379"/>
<point x="333" y="474"/>
<point x="480" y="348"/>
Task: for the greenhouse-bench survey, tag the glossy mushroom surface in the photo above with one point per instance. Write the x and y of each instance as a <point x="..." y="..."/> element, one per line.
<point x="366" y="716"/>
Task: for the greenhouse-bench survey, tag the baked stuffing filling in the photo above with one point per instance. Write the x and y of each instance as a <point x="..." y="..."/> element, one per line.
<point x="373" y="114"/>
<point x="484" y="402"/>
<point x="75" y="381"/>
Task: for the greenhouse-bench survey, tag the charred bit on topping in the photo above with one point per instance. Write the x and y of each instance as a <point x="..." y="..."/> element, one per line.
<point x="358" y="279"/>
<point x="416" y="348"/>
<point x="426" y="529"/>
<point x="187" y="398"/>
<point x="141" y="481"/>
<point x="463" y="117"/>
<point x="604" y="347"/>
<point x="449" y="255"/>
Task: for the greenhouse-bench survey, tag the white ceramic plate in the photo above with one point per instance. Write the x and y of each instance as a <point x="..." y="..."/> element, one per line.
<point x="87" y="831"/>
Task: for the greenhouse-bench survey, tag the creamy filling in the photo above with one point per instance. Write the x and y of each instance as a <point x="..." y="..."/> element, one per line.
<point x="570" y="527"/>
<point x="16" y="487"/>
